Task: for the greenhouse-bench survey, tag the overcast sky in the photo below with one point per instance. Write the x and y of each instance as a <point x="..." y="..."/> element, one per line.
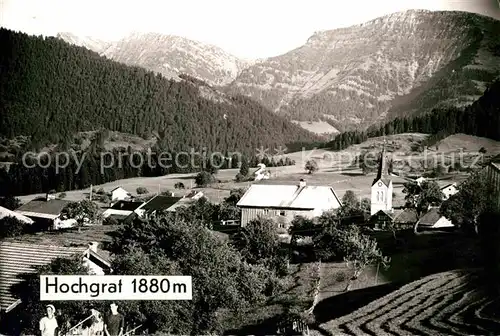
<point x="245" y="28"/>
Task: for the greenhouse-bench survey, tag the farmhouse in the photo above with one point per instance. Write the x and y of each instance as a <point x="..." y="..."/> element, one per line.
<point x="382" y="189"/>
<point x="284" y="202"/>
<point x="22" y="254"/>
<point x="449" y="190"/>
<point x="46" y="213"/>
<point x="119" y="194"/>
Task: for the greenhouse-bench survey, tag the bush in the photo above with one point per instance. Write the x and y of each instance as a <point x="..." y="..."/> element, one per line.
<point x="110" y="221"/>
<point x="11" y="227"/>
<point x="62" y="195"/>
<point x="142" y="191"/>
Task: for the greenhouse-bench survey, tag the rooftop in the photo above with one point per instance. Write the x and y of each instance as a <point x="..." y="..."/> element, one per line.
<point x="69" y="237"/>
<point x="286" y="196"/>
<point x="126" y="205"/>
<point x="405" y="216"/>
<point x="22" y="257"/>
<point x="42" y="206"/>
<point x="430" y="218"/>
<point x="160" y="202"/>
<point x="4" y="212"/>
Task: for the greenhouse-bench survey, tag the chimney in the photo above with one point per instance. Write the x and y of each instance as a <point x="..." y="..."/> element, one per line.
<point x="302" y="183"/>
<point x="172" y="194"/>
<point x="93" y="246"/>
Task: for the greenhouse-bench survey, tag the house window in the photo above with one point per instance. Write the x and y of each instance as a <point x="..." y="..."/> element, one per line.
<point x="266" y="211"/>
<point x="282" y="213"/>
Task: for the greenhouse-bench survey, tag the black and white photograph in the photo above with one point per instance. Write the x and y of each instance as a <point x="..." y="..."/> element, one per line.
<point x="315" y="168"/>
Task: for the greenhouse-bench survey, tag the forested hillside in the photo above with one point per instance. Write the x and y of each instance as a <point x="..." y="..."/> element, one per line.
<point x="482" y="119"/>
<point x="50" y="90"/>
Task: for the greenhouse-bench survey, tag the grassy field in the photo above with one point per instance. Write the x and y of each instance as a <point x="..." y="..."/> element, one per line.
<point x="448" y="303"/>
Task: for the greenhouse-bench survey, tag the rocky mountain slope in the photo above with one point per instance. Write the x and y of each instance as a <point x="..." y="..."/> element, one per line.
<point x="399" y="64"/>
<point x="88" y="42"/>
<point x="170" y="55"/>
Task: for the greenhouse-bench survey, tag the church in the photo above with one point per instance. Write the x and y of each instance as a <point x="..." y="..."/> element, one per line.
<point x="381" y="190"/>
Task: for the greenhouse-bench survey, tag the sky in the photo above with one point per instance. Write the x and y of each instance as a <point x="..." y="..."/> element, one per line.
<point x="246" y="28"/>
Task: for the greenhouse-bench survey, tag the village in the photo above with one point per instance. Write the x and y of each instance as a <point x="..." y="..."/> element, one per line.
<point x="60" y="233"/>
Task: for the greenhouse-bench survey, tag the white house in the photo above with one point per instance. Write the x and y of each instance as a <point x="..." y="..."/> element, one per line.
<point x="381" y="190"/>
<point x="261" y="173"/>
<point x="284" y="202"/>
<point x="119" y="194"/>
<point x="420" y="180"/>
<point x="449" y="190"/>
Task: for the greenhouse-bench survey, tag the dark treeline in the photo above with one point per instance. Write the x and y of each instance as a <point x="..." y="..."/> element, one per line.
<point x="482" y="118"/>
<point x="50" y="90"/>
<point x="80" y="170"/>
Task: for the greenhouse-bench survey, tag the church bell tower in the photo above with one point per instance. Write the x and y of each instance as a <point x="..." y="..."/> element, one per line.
<point x="381" y="191"/>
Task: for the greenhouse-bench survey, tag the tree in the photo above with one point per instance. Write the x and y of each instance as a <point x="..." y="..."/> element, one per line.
<point x="474" y="196"/>
<point x="422" y="196"/>
<point x="359" y="251"/>
<point x="12" y="227"/>
<point x="311" y="166"/>
<point x="350" y="199"/>
<point x="141" y="191"/>
<point x="203" y="179"/>
<point x="367" y="162"/>
<point x="234" y="196"/>
<point x="10" y="202"/>
<point x="489" y="234"/>
<point x="62" y="195"/>
<point x="244" y="170"/>
<point x="168" y="245"/>
<point x="258" y="240"/>
<point x="179" y="185"/>
<point x="84" y="212"/>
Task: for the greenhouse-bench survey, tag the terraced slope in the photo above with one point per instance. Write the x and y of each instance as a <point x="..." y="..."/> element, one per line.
<point x="447" y="303"/>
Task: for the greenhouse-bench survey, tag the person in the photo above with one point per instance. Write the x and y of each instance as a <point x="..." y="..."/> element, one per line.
<point x="114" y="323"/>
<point x="48" y="324"/>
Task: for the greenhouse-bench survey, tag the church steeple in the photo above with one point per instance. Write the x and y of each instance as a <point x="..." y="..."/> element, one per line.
<point x="383" y="167"/>
<point x="381" y="198"/>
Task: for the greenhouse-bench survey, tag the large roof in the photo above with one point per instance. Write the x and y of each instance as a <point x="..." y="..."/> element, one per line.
<point x="430" y="218"/>
<point x="160" y="203"/>
<point x="22" y="257"/>
<point x="20" y="254"/>
<point x="4" y="212"/>
<point x="69" y="237"/>
<point x="285" y="196"/>
<point x="407" y="216"/>
<point x="40" y="207"/>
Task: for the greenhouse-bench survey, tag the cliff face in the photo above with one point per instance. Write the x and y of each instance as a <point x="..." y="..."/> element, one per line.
<point x="403" y="63"/>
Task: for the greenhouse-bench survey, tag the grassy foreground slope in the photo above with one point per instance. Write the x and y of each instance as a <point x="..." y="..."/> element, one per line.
<point x="449" y="303"/>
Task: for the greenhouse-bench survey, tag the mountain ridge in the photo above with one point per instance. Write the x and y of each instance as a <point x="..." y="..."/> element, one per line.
<point x="368" y="65"/>
<point x="52" y="90"/>
<point x="403" y="63"/>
